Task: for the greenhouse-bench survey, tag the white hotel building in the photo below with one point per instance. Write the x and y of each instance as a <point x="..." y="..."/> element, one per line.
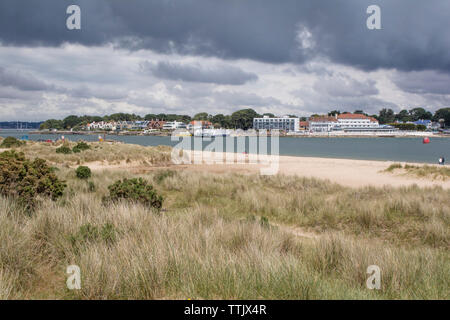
<point x="349" y="123"/>
<point x="349" y="120"/>
<point x="284" y="123"/>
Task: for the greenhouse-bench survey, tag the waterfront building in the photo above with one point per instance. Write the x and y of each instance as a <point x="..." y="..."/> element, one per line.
<point x="199" y="125"/>
<point x="140" y="125"/>
<point x="427" y="123"/>
<point x="173" y="125"/>
<point x="348" y="123"/>
<point x="284" y="123"/>
<point x="304" y="125"/>
<point x="323" y="124"/>
<point x="350" y="120"/>
<point x="102" y="125"/>
<point x="156" y="124"/>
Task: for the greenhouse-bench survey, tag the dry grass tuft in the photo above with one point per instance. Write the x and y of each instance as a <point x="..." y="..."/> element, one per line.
<point x="425" y="171"/>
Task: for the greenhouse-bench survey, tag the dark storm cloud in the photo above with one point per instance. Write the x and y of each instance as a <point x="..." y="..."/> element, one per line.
<point x="221" y="74"/>
<point x="414" y="35"/>
<point x="423" y="82"/>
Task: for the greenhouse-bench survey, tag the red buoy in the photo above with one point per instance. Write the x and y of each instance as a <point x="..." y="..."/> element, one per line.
<point x="426" y="140"/>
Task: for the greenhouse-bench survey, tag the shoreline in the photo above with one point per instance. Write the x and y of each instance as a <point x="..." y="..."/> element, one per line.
<point x="316" y="135"/>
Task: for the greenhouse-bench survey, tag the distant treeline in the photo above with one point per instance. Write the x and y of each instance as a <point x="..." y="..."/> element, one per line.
<point x="386" y="116"/>
<point x="19" y="125"/>
<point x="242" y="119"/>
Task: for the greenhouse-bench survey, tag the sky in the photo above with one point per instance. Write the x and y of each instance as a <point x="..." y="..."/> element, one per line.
<point x="218" y="56"/>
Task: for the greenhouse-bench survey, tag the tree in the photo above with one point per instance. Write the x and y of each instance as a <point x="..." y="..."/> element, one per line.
<point x="161" y="116"/>
<point x="51" y="124"/>
<point x="403" y="116"/>
<point x="333" y="113"/>
<point x="202" y="116"/>
<point x="219" y="119"/>
<point x="443" y="113"/>
<point x="360" y="112"/>
<point x="150" y="116"/>
<point x="243" y="119"/>
<point x="122" y="117"/>
<point x="386" y="116"/>
<point x="184" y="118"/>
<point x="71" y="121"/>
<point x="420" y="114"/>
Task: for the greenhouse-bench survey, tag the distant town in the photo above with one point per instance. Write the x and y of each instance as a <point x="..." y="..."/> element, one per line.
<point x="417" y="121"/>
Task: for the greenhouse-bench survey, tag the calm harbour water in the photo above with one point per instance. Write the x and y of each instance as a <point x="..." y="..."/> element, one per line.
<point x="394" y="149"/>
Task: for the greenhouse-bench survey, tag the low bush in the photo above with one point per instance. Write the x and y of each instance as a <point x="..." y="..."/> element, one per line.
<point x="11" y="142"/>
<point x="91" y="186"/>
<point x="63" y="150"/>
<point x="83" y="172"/>
<point x="161" y="175"/>
<point x="136" y="190"/>
<point x="81" y="146"/>
<point x="90" y="233"/>
<point x="26" y="180"/>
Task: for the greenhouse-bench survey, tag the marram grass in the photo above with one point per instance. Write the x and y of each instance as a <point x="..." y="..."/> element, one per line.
<point x="228" y="237"/>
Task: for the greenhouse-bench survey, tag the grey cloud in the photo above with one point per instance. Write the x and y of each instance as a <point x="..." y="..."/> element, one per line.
<point x="220" y="74"/>
<point x="415" y="33"/>
<point x="21" y="81"/>
<point x="424" y="82"/>
<point x="245" y="99"/>
<point x="344" y="86"/>
<point x="11" y="93"/>
<point x="99" y="93"/>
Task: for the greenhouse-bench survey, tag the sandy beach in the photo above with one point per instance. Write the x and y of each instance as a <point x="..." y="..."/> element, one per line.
<point x="346" y="172"/>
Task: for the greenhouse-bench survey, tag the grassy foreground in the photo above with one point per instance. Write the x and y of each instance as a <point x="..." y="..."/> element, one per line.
<point x="227" y="236"/>
<point x="107" y="153"/>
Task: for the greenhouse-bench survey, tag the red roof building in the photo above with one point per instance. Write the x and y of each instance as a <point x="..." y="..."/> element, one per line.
<point x="155" y="124"/>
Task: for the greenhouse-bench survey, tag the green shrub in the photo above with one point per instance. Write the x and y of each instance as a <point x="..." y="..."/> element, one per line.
<point x="81" y="146"/>
<point x="136" y="190"/>
<point x="83" y="172"/>
<point x="63" y="150"/>
<point x="160" y="176"/>
<point x="409" y="126"/>
<point x="91" y="186"/>
<point x="27" y="180"/>
<point x="89" y="233"/>
<point x="11" y="142"/>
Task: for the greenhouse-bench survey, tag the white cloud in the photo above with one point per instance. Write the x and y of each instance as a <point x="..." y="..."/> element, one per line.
<point x="75" y="79"/>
